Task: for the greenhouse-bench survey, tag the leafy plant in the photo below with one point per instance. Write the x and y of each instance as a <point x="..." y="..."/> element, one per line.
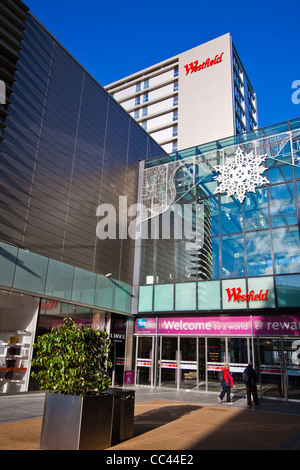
<point x="73" y="360"/>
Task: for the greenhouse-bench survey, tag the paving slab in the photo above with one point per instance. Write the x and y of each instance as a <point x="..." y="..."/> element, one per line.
<point x="168" y="419"/>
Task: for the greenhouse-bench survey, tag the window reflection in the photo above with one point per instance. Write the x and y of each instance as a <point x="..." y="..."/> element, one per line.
<point x="287" y="288"/>
<point x="282" y="205"/>
<point x="286" y="249"/>
<point x="231" y="215"/>
<point x="146" y="263"/>
<point x="165" y="257"/>
<point x="282" y="173"/>
<point x="185" y="263"/>
<point x="259" y="255"/>
<point x="256" y="210"/>
<point x="233" y="263"/>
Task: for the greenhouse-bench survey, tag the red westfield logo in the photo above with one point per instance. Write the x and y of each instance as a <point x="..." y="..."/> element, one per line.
<point x="235" y="295"/>
<point x="195" y="66"/>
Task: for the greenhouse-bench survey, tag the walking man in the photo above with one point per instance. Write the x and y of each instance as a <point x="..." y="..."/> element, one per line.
<point x="250" y="379"/>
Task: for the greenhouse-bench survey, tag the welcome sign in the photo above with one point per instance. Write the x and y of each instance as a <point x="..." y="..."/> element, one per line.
<point x="205" y="326"/>
<point x="281" y="325"/>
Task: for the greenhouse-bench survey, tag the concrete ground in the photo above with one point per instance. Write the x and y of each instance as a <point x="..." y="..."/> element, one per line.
<point x="172" y="420"/>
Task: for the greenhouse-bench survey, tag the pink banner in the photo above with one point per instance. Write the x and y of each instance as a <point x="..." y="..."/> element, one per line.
<point x="281" y="325"/>
<point x="205" y="326"/>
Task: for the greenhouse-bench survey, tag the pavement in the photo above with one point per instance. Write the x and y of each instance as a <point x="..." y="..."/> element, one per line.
<point x="172" y="420"/>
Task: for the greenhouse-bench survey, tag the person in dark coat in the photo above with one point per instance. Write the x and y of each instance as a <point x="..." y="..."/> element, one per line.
<point x="250" y="379"/>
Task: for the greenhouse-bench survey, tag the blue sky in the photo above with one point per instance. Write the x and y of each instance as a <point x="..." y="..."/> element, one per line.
<point x="115" y="39"/>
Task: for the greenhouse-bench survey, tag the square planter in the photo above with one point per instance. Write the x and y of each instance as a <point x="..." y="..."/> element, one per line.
<point x="77" y="423"/>
<point x="123" y="414"/>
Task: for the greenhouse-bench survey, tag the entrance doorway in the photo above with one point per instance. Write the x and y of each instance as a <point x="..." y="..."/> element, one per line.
<point x="194" y="363"/>
<point x="233" y="351"/>
<point x="144" y="360"/>
<point x="279" y="373"/>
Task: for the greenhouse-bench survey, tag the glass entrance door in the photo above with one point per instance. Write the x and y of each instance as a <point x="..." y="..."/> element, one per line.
<point x="291" y="370"/>
<point x="168" y="371"/>
<point x="216" y="358"/>
<point x="239" y="357"/>
<point x="188" y="363"/>
<point x="279" y="368"/>
<point x="144" y="360"/>
<point x="201" y="364"/>
<point x="195" y="363"/>
<point x="269" y="358"/>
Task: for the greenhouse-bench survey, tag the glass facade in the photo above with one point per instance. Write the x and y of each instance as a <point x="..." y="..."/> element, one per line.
<point x="244" y="244"/>
<point x="30" y="272"/>
<point x="231" y="293"/>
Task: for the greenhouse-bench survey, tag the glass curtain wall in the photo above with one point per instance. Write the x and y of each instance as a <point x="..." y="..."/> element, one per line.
<point x="256" y="238"/>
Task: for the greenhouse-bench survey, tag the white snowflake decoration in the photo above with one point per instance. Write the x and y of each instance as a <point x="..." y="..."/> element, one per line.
<point x="241" y="174"/>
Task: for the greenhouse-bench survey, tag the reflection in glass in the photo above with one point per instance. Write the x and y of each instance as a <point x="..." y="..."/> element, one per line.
<point x="169" y="362"/>
<point x="281" y="173"/>
<point x="201" y="363"/>
<point x="185" y="263"/>
<point x="233" y="263"/>
<point x="59" y="279"/>
<point x="165" y="258"/>
<point x="31" y="272"/>
<point x="205" y="177"/>
<point x="211" y="216"/>
<point x="259" y="254"/>
<point x="286" y="249"/>
<point x="231" y="215"/>
<point x="256" y="210"/>
<point x="188" y="363"/>
<point x="215" y="258"/>
<point x="144" y="361"/>
<point x="282" y="205"/>
<point x="146" y="263"/>
<point x="269" y="353"/>
<point x="216" y="358"/>
<point x="84" y="286"/>
<point x="164" y="298"/>
<point x="287" y="288"/>
<point x="291" y="354"/>
<point x="238" y="354"/>
<point x="184" y="182"/>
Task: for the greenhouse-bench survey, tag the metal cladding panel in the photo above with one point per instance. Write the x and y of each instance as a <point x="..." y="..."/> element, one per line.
<point x="77" y="422"/>
<point x="68" y="147"/>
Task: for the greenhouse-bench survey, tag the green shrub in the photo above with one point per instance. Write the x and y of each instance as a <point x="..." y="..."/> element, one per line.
<point x="72" y="360"/>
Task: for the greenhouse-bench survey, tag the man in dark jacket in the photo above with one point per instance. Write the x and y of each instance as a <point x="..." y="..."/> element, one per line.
<point x="250" y="379"/>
